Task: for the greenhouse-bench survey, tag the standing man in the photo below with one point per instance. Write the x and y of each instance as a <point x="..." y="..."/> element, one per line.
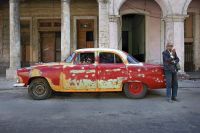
<point x="170" y="61"/>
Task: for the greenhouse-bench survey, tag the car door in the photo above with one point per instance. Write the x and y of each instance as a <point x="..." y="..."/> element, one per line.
<point x="81" y="75"/>
<point x="111" y="72"/>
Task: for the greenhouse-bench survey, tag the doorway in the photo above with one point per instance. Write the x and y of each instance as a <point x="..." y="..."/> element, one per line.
<point x="50" y="46"/>
<point x="189" y="44"/>
<point x="85" y="33"/>
<point x="25" y="43"/>
<point x="50" y="40"/>
<point x="133" y="35"/>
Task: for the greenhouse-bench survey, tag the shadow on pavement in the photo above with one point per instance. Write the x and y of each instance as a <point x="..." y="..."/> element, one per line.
<point x="106" y="95"/>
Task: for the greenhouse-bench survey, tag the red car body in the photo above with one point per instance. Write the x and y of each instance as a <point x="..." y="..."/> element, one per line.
<point x="95" y="77"/>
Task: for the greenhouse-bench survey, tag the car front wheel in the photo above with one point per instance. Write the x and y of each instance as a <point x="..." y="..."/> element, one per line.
<point x="39" y="89"/>
<point x="135" y="90"/>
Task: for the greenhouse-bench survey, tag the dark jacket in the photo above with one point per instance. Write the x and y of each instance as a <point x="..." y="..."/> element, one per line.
<point x="168" y="62"/>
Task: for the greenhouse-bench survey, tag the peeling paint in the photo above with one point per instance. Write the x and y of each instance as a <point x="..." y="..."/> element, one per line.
<point x="35" y="73"/>
<point x="67" y="77"/>
<point x="77" y="71"/>
<point x="111" y="83"/>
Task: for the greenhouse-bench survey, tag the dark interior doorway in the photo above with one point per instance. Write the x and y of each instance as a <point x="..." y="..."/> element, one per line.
<point x="189" y="44"/>
<point x="133" y="35"/>
<point x="25" y="43"/>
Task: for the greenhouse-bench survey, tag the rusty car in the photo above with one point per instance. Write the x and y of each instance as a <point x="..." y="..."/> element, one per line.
<point x="92" y="70"/>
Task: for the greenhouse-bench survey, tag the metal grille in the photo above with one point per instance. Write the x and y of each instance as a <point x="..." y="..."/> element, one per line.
<point x="189" y="63"/>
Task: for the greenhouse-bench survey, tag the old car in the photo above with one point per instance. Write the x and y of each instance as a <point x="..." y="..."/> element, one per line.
<point x="92" y="70"/>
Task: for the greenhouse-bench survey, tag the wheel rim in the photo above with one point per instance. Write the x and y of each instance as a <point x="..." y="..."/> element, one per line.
<point x="136" y="88"/>
<point x="39" y="90"/>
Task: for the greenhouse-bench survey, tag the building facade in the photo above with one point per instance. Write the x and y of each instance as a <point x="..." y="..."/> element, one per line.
<point x="34" y="31"/>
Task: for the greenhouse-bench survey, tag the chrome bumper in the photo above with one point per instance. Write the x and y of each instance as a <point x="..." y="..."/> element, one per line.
<point x="19" y="85"/>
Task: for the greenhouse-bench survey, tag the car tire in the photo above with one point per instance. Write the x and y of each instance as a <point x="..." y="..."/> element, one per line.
<point x="39" y="89"/>
<point x="135" y="90"/>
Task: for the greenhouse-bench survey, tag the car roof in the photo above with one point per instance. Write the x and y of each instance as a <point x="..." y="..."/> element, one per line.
<point x="100" y="49"/>
<point x="96" y="49"/>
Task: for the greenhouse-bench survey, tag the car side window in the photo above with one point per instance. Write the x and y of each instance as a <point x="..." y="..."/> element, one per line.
<point x="70" y="58"/>
<point x="105" y="58"/>
<point x="118" y="59"/>
<point x="85" y="58"/>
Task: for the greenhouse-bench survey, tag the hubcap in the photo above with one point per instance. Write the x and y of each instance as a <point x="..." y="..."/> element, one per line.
<point x="135" y="88"/>
<point x="39" y="90"/>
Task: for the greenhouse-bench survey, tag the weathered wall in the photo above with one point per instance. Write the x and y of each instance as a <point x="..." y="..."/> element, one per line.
<point x="31" y="11"/>
<point x="194" y="5"/>
<point x="4" y="38"/>
<point x="194" y="9"/>
<point x="153" y="25"/>
<point x="1" y="28"/>
<point x="34" y="10"/>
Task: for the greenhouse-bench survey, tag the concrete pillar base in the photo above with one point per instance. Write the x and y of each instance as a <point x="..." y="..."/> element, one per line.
<point x="11" y="73"/>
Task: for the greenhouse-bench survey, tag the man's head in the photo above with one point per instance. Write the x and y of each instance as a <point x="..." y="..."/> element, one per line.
<point x="170" y="46"/>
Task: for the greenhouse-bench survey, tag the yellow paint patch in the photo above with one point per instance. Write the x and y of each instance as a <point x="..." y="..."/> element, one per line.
<point x="86" y="85"/>
<point x="111" y="83"/>
<point x="90" y="71"/>
<point x="79" y="84"/>
<point x="35" y="73"/>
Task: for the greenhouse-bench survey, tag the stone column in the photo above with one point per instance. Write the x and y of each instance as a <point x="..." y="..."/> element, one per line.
<point x="113" y="32"/>
<point x="174" y="32"/>
<point x="65" y="29"/>
<point x="103" y="23"/>
<point x="15" y="46"/>
<point x="197" y="41"/>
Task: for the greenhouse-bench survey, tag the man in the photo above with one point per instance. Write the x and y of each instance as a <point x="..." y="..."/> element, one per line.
<point x="170" y="60"/>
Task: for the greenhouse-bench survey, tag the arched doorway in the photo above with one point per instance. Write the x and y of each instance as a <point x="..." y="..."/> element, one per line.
<point x="133" y="35"/>
<point x="192" y="39"/>
<point x="142" y="31"/>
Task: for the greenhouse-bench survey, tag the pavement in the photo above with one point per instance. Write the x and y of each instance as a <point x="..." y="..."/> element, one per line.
<point x="194" y="75"/>
<point x="99" y="112"/>
<point x="6" y="84"/>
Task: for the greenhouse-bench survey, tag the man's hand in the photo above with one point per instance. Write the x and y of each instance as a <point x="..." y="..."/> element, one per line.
<point x="174" y="50"/>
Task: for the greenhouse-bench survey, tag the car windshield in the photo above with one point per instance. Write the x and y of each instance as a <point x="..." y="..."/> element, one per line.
<point x="70" y="58"/>
<point x="131" y="59"/>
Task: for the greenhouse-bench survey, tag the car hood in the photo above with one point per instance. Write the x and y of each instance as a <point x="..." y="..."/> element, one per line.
<point x="152" y="65"/>
<point x="42" y="65"/>
<point x="47" y="64"/>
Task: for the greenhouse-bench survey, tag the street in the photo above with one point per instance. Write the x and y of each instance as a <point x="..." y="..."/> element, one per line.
<point x="99" y="113"/>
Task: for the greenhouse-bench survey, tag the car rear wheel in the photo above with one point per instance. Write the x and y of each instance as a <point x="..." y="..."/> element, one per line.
<point x="39" y="89"/>
<point x="135" y="90"/>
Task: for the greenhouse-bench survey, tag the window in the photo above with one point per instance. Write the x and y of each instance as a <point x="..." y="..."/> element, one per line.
<point x="131" y="59"/>
<point x="70" y="58"/>
<point x="109" y="58"/>
<point x="118" y="59"/>
<point x="89" y="36"/>
<point x="85" y="58"/>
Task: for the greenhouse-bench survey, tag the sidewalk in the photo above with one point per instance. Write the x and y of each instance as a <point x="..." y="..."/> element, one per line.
<point x="194" y="75"/>
<point x="8" y="84"/>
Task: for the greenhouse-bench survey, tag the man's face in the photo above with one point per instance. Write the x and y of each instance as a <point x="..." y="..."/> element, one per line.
<point x="170" y="47"/>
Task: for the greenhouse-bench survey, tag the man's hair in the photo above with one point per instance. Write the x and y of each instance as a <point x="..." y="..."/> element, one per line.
<point x="170" y="44"/>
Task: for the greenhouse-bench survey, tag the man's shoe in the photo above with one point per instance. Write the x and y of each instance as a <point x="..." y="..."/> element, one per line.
<point x="169" y="100"/>
<point x="175" y="99"/>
